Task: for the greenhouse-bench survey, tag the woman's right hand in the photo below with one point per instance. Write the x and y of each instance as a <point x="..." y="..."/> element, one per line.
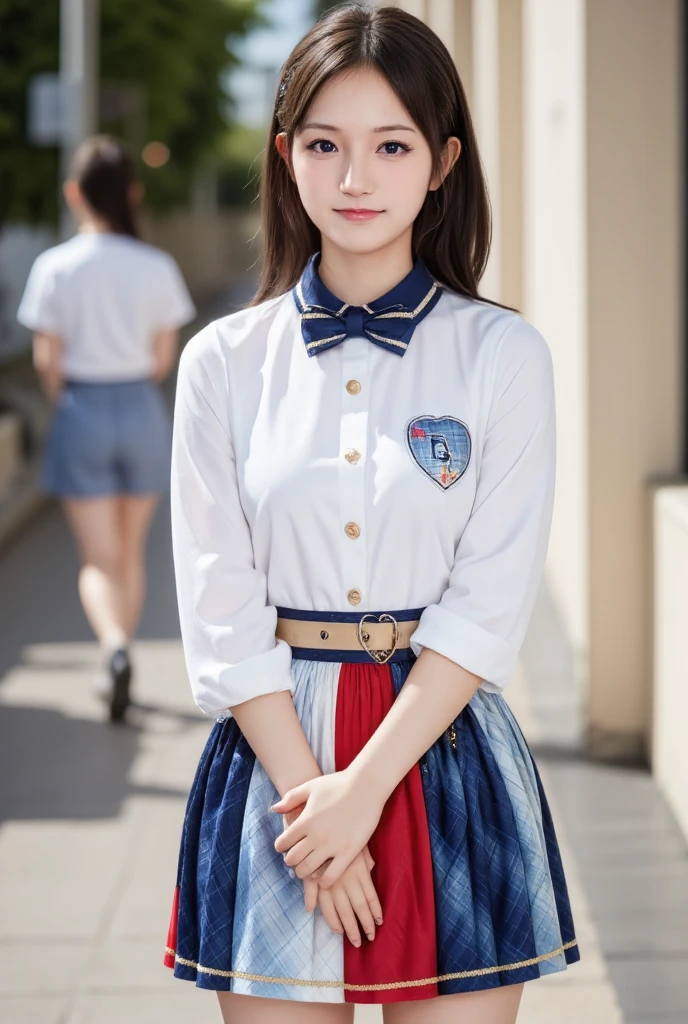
<point x="352" y="900"/>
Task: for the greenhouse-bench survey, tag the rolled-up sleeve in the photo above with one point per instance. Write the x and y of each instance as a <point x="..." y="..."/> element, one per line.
<point x="228" y="628"/>
<point x="481" y="619"/>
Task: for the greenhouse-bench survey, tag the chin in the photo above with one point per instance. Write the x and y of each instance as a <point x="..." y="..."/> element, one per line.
<point x="359" y="241"/>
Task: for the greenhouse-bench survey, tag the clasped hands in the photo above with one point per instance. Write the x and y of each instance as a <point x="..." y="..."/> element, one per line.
<point x="329" y="821"/>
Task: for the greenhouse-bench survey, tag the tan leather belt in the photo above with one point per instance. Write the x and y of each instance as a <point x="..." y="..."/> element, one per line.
<point x="380" y="638"/>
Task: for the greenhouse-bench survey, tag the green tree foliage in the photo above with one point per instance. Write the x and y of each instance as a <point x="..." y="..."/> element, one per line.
<point x="29" y="44"/>
<point x="175" y="54"/>
<point x="239" y="164"/>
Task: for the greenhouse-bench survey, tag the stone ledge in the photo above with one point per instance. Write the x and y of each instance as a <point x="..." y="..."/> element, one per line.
<point x="21" y="504"/>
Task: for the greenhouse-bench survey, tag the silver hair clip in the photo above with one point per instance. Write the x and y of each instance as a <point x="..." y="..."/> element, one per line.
<point x="285" y="81"/>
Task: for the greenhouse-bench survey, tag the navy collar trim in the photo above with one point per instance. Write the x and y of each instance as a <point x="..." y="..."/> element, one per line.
<point x="405" y="301"/>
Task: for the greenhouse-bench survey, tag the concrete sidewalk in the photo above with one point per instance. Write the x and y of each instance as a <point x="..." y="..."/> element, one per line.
<point x="91" y="815"/>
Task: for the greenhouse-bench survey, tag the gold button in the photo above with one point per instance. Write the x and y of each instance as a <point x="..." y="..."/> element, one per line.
<point x="354" y="596"/>
<point x="352" y="456"/>
<point x="353" y="387"/>
<point x="352" y="530"/>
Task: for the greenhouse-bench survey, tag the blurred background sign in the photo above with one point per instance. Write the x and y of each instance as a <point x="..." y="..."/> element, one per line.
<point x="47" y="115"/>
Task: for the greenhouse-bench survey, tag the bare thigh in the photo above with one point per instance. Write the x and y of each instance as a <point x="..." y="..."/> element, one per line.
<point x="237" y="1009"/>
<point x="494" y="1006"/>
<point x="135" y="514"/>
<point x="96" y="527"/>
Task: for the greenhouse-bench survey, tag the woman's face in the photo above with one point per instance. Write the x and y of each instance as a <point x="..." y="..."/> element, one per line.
<point x="362" y="167"/>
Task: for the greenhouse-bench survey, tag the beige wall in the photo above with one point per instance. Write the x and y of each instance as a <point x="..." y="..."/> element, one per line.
<point x="486" y="115"/>
<point x="633" y="261"/>
<point x="511" y="184"/>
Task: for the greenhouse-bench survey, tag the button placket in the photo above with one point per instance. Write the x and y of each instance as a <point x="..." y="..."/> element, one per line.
<point x="352" y="470"/>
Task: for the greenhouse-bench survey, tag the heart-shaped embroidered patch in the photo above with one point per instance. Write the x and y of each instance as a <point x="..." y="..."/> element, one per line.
<point x="441" y="446"/>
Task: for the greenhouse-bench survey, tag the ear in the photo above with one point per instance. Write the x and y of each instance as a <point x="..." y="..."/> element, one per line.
<point x="137" y="191"/>
<point x="282" y="146"/>
<point x="72" y="193"/>
<point x="450" y="154"/>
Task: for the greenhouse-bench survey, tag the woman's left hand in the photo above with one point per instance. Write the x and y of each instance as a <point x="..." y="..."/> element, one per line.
<point x="338" y="819"/>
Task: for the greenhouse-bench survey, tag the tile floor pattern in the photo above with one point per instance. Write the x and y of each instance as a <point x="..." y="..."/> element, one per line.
<point x="90" y="815"/>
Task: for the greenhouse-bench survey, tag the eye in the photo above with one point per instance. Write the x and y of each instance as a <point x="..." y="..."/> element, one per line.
<point x="322" y="142"/>
<point x="393" y="148"/>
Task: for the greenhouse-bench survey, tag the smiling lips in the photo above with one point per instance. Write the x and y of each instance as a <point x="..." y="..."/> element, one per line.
<point x="359" y="215"/>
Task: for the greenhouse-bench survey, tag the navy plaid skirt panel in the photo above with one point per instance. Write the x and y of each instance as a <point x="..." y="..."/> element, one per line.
<point x="501" y="908"/>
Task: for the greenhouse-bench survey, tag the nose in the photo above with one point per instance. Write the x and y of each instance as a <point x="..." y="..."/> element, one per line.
<point x="355" y="181"/>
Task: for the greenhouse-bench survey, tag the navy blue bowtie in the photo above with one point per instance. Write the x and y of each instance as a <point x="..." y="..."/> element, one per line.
<point x="389" y="322"/>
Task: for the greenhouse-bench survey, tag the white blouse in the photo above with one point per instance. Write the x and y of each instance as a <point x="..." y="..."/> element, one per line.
<point x="359" y="480"/>
<point x="106" y="296"/>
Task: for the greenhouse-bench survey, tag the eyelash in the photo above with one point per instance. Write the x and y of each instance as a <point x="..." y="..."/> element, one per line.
<point x="391" y="142"/>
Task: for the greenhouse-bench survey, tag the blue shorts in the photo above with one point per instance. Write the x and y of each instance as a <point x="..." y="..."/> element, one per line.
<point x="110" y="438"/>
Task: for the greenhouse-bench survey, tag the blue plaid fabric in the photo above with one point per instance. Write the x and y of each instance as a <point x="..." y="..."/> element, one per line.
<point x="500" y="891"/>
<point x="274" y="935"/>
<point x="209" y="856"/>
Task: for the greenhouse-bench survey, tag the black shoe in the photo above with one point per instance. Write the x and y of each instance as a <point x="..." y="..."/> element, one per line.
<point x="120" y="674"/>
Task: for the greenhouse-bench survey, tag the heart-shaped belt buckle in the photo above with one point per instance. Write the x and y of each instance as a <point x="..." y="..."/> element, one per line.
<point x="381" y="657"/>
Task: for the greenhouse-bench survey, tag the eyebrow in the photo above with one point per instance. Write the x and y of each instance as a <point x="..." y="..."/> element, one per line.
<point x="382" y="128"/>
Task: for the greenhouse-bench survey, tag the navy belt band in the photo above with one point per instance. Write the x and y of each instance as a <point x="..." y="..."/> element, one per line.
<point x="349" y="637"/>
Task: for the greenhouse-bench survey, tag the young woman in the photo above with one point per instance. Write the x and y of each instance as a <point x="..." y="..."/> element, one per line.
<point x="363" y="468"/>
<point x="105" y="309"/>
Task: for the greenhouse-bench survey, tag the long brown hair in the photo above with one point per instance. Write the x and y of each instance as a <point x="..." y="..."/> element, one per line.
<point x="105" y="171"/>
<point x="452" y="232"/>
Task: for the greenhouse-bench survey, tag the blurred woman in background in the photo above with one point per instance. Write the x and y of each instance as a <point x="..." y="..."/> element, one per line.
<point x="105" y="309"/>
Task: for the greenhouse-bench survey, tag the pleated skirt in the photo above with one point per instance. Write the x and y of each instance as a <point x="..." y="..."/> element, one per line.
<point x="467" y="865"/>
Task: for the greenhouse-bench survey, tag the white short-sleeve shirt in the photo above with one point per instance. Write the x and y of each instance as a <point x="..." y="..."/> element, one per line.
<point x="443" y="458"/>
<point x="106" y="296"/>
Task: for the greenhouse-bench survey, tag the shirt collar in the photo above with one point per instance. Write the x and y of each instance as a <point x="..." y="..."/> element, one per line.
<point x="410" y="293"/>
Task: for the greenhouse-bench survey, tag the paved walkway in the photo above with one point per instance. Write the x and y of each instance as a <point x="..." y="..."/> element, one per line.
<point x="91" y="815"/>
<point x="90" y="818"/>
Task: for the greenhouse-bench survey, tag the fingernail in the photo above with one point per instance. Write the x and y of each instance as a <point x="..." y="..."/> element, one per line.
<point x="371" y="935"/>
<point x="356" y="942"/>
<point x="378" y="920"/>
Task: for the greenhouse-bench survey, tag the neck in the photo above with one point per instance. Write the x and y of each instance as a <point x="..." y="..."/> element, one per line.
<point x="94" y="226"/>
<point x="359" y="278"/>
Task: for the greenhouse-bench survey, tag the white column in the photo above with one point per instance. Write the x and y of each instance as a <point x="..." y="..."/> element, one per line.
<point x="555" y="292"/>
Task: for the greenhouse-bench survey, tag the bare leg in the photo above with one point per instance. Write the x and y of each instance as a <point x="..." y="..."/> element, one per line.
<point x="135" y="515"/>
<point x="494" y="1006"/>
<point x="95" y="524"/>
<point x="237" y="1009"/>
